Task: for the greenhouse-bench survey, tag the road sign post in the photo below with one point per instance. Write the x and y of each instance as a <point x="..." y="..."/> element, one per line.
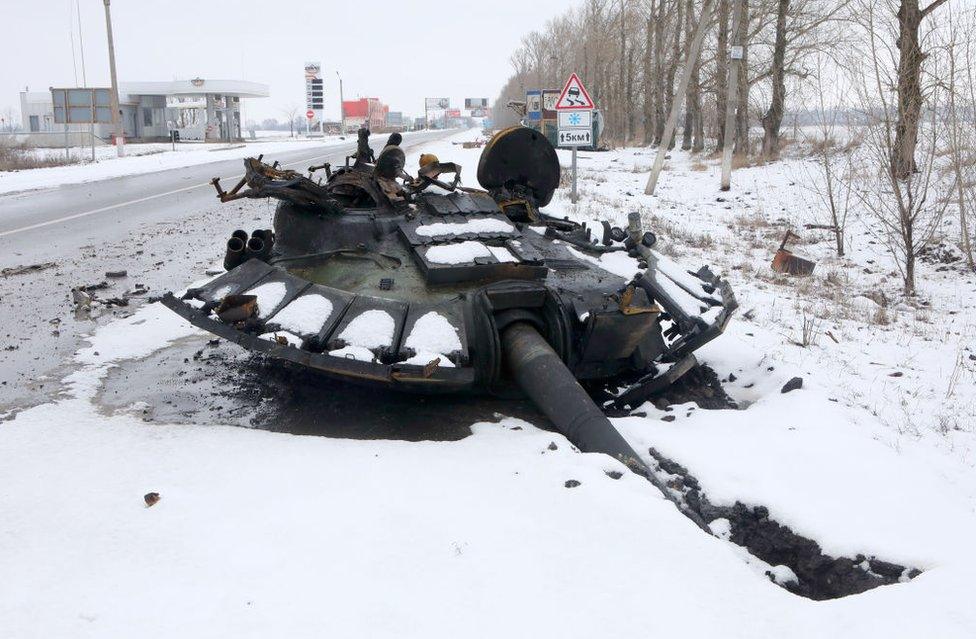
<point x="574" y="109"/>
<point x="573" y="196"/>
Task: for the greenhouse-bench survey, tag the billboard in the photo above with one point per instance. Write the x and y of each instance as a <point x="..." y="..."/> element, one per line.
<point x="453" y="113"/>
<point x="475" y="103"/>
<point x="394" y="118"/>
<point x="314" y="91"/>
<point x="438" y="103"/>
<point x="82" y="105"/>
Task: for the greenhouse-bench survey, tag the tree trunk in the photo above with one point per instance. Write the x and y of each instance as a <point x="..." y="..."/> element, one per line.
<point x="698" y="120"/>
<point x="622" y="106"/>
<point x="689" y="116"/>
<point x="958" y="149"/>
<point x="630" y="105"/>
<point x="659" y="75"/>
<point x="649" y="80"/>
<point x="741" y="146"/>
<point x="773" y="117"/>
<point x="694" y="101"/>
<point x="673" y="66"/>
<point x="909" y="90"/>
<point x="910" y="274"/>
<point x="722" y="70"/>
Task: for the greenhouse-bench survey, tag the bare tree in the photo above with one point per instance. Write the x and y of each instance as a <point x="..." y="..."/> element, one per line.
<point x="835" y="159"/>
<point x="960" y="135"/>
<point x="908" y="208"/>
<point x="291" y="112"/>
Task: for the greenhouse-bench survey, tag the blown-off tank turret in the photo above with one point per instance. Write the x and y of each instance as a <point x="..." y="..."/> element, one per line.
<point x="419" y="284"/>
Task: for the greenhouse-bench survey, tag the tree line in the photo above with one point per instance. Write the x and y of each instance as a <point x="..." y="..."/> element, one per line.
<point x="897" y="75"/>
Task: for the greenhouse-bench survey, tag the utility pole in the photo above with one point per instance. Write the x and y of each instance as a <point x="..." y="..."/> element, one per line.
<point x="116" y="116"/>
<point x="693" y="52"/>
<point x="735" y="61"/>
<point x="84" y="80"/>
<point x="342" y="108"/>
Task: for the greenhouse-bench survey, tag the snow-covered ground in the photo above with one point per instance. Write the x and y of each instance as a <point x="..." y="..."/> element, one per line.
<point x="152" y="157"/>
<point x="262" y="533"/>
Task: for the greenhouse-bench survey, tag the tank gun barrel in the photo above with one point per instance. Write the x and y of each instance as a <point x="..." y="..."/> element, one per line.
<point x="541" y="374"/>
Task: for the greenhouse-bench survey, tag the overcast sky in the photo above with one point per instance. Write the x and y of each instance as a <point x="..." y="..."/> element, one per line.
<point x="400" y="52"/>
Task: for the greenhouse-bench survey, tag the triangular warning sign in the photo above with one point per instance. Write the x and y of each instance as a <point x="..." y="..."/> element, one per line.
<point x="574" y="96"/>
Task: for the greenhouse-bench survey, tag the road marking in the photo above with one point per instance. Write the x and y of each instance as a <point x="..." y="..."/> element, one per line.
<point x="68" y="218"/>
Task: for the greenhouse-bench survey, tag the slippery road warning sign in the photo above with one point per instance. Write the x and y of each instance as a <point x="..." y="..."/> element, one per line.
<point x="574" y="96"/>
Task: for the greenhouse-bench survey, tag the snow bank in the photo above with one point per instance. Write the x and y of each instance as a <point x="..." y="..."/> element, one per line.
<point x="260" y="533"/>
<point x="149" y="329"/>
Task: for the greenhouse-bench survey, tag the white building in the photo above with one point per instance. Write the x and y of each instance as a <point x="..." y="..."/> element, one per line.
<point x="199" y="109"/>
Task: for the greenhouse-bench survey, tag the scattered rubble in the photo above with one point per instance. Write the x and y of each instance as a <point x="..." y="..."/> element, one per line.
<point x="27" y="269"/>
<point x="795" y="383"/>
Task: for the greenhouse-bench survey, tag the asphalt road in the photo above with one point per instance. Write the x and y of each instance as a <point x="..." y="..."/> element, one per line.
<point x="163" y="228"/>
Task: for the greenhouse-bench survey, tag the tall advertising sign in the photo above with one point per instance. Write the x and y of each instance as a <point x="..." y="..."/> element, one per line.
<point x="314" y="93"/>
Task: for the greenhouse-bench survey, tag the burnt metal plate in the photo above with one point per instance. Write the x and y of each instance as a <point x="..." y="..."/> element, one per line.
<point x="441" y="379"/>
<point x="233" y="282"/>
<point x="457" y="227"/>
<point x="457" y="203"/>
<point x="487" y="268"/>
<point x="361" y="305"/>
<point x="277" y="278"/>
<point x="338" y="300"/>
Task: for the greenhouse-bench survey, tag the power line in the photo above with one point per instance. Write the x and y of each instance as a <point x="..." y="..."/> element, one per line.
<point x="81" y="47"/>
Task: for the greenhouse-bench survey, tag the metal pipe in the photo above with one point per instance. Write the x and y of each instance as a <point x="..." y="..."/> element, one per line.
<point x="255" y="248"/>
<point x="541" y="374"/>
<point x="235" y="253"/>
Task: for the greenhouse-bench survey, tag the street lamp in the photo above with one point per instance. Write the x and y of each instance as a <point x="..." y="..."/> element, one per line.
<point x="342" y="107"/>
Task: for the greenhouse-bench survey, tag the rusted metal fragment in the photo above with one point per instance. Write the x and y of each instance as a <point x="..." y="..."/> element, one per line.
<point x="237" y="308"/>
<point x="784" y="261"/>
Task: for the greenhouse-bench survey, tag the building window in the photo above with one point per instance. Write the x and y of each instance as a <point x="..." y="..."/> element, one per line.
<point x="35" y="123"/>
<point x="147" y="119"/>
